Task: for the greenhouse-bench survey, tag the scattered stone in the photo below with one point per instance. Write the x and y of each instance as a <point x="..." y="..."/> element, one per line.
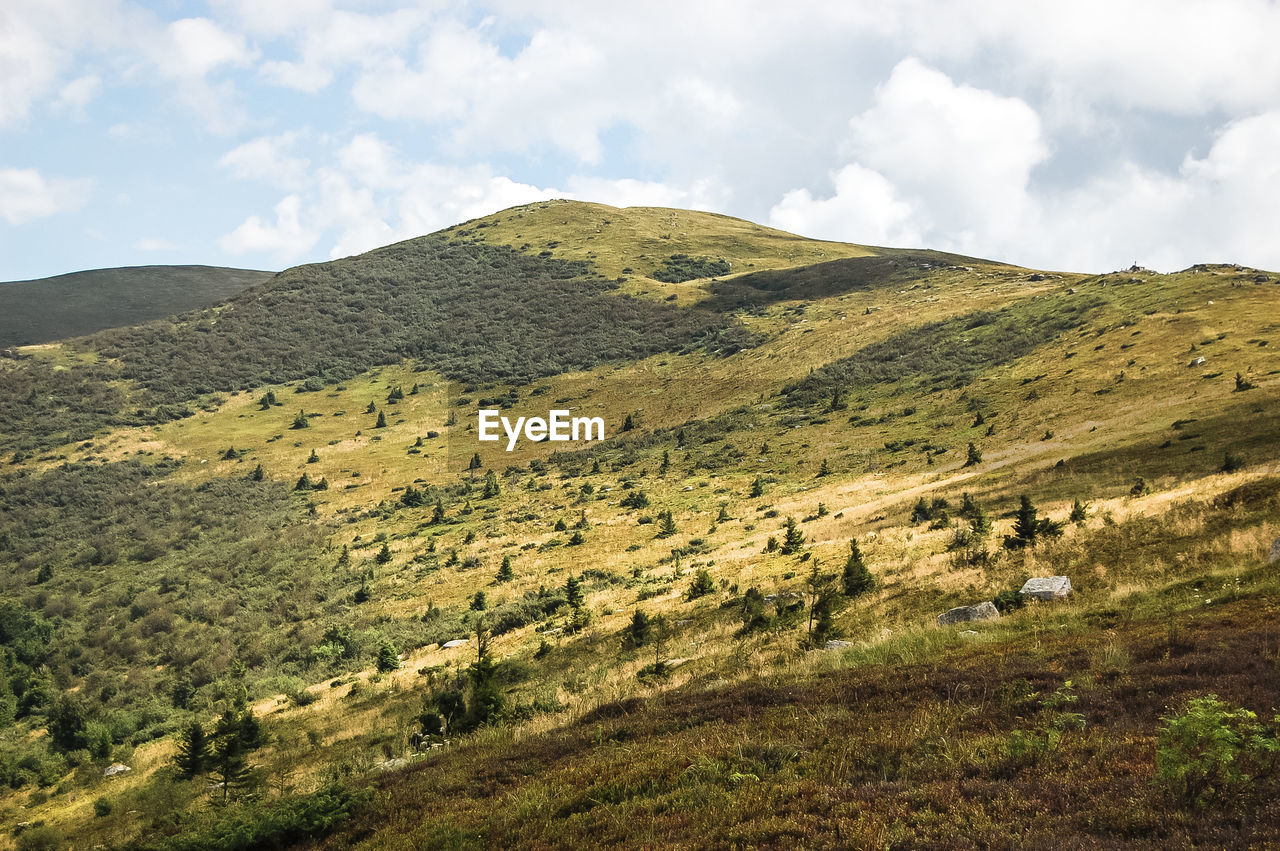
<point x="1196" y="362"/>
<point x="983" y="611"/>
<point x="835" y="644"/>
<point x="1275" y="552"/>
<point x="457" y="642"/>
<point x="1036" y="277"/>
<point x="969" y="632"/>
<point x="1046" y="588"/>
<point x="388" y="765"/>
<point x="115" y="768"/>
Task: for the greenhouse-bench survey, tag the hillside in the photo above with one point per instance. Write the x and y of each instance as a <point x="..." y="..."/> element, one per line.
<point x="80" y="303"/>
<point x="273" y="519"/>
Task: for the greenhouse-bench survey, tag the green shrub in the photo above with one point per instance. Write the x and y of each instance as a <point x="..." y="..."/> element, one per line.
<point x="1210" y="750"/>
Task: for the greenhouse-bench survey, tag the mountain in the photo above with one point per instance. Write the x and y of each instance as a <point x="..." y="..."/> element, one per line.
<point x="63" y="306"/>
<point x="274" y="518"/>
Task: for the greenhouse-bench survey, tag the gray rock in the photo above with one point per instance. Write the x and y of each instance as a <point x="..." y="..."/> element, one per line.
<point x="1275" y="552"/>
<point x="983" y="611"/>
<point x="115" y="768"/>
<point x="457" y="642"/>
<point x="1196" y="362"/>
<point x="835" y="644"/>
<point x="1046" y="588"/>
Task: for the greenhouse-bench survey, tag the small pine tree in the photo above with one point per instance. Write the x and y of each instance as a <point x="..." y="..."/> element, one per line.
<point x="979" y="522"/>
<point x="595" y="467"/>
<point x="666" y="462"/>
<point x="824" y="470"/>
<point x="666" y="524"/>
<point x="723" y="516"/>
<point x="384" y="554"/>
<point x="304" y="483"/>
<point x="230" y="454"/>
<point x="975" y="456"/>
<point x="701" y="586"/>
<point x="757" y="488"/>
<point x="1079" y="512"/>
<point x="1025" y="527"/>
<point x="344" y="559"/>
<point x="823" y="603"/>
<point x="193" y="755"/>
<point x="382" y="420"/>
<point x="505" y="572"/>
<point x="576" y="539"/>
<point x="474" y="464"/>
<point x="979" y="420"/>
<point x="395" y="395"/>
<point x="479" y="602"/>
<point x="258" y="474"/>
<point x="490" y="485"/>
<point x="388" y="659"/>
<point x="301" y="421"/>
<point x="573" y="594"/>
<point x="235" y="735"/>
<point x="1243" y="383"/>
<point x="437" y="514"/>
<point x="921" y="512"/>
<point x="373" y="407"/>
<point x="1028" y="528"/>
<point x="313" y="458"/>
<point x="640" y="630"/>
<point x="792" y="539"/>
<point x="561" y="526"/>
<point x="856" y="579"/>
<point x="268" y="399"/>
<point x="628" y="424"/>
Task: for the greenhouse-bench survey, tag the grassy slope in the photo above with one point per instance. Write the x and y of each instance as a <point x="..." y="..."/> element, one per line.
<point x="1103" y="399"/>
<point x="80" y="303"/>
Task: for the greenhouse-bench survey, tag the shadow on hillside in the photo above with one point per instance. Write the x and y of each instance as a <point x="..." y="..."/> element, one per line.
<point x="836" y="277"/>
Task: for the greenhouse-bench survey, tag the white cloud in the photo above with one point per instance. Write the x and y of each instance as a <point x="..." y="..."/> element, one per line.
<point x="1217" y="208"/>
<point x="76" y="94"/>
<point x="267" y="159"/>
<point x="367" y="196"/>
<point x="286" y="239"/>
<point x="864" y="204"/>
<point x="193" y="47"/>
<point x="627" y="192"/>
<point x="933" y="162"/>
<point x="25" y="194"/>
<point x="156" y="244"/>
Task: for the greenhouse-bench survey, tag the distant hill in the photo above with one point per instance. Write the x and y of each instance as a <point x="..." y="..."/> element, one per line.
<point x="80" y="303"/>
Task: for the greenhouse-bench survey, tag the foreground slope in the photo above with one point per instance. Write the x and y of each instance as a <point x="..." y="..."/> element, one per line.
<point x="83" y="302"/>
<point x="306" y="548"/>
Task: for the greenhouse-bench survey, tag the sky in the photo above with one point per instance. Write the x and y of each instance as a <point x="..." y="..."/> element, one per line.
<point x="1081" y="136"/>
